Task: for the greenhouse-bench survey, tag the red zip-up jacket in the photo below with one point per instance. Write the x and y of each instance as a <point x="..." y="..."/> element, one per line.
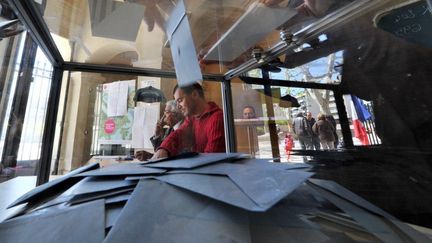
<point x="203" y="134"/>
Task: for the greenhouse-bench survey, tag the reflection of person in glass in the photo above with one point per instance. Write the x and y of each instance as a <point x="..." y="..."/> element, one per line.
<point x="314" y="8"/>
<point x="311" y="121"/>
<point x="154" y="12"/>
<point x="252" y="133"/>
<point x="324" y="129"/>
<point x="248" y="112"/>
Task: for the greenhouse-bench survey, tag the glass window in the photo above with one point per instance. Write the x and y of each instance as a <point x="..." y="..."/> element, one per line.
<point x="10" y="69"/>
<point x="24" y="102"/>
<point x="33" y="127"/>
<point x="265" y="125"/>
<point x="377" y="53"/>
<point x="99" y="124"/>
<point x="386" y="65"/>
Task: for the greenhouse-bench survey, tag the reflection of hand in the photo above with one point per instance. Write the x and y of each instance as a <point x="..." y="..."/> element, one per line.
<point x="161" y="153"/>
<point x="152" y="15"/>
<point x="152" y="12"/>
<point x="159" y="128"/>
<point x="270" y="3"/>
<point x="314" y="8"/>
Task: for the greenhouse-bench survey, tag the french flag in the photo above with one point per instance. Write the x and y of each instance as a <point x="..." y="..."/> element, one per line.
<point x="359" y="114"/>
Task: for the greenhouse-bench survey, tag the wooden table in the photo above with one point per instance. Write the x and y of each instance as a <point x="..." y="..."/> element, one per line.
<point x="109" y="160"/>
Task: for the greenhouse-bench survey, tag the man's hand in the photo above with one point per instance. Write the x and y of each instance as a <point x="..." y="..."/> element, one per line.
<point x="143" y="155"/>
<point x="161" y="153"/>
<point x="159" y="129"/>
<point x="153" y="12"/>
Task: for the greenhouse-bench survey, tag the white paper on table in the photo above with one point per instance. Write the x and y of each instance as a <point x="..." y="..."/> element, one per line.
<point x="145" y="119"/>
<point x="150" y="120"/>
<point x="122" y="100"/>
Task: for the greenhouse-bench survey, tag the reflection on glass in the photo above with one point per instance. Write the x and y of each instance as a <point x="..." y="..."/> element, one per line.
<point x="96" y="31"/>
<point x="297" y="123"/>
<point x="294" y="117"/>
<point x="251" y="125"/>
<point x="327" y="70"/>
<point x="380" y="64"/>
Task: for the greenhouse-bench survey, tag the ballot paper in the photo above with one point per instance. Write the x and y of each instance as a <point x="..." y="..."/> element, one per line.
<point x="193" y="161"/>
<point x="358" y="208"/>
<point x="82" y="223"/>
<point x="53" y="187"/>
<point x="182" y="47"/>
<point x="257" y="195"/>
<point x="219" y="197"/>
<point x="121" y="169"/>
<point x="171" y="214"/>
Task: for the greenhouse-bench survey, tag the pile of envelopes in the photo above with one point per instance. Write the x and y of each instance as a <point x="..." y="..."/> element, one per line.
<point x="203" y="198"/>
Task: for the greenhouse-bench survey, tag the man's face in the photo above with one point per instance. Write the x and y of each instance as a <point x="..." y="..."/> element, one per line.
<point x="170" y="116"/>
<point x="308" y="115"/>
<point x="248" y="113"/>
<point x="185" y="102"/>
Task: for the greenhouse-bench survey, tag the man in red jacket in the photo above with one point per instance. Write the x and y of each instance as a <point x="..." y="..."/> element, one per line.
<point x="203" y="128"/>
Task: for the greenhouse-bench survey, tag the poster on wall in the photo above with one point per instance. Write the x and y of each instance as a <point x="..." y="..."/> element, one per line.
<point x="117" y="112"/>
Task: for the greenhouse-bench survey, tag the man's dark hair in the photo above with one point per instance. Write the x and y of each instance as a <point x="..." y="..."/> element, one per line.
<point x="300" y="114"/>
<point x="190" y="88"/>
<point x="250" y="107"/>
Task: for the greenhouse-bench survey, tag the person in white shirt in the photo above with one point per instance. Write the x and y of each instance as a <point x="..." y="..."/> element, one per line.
<point x="170" y="121"/>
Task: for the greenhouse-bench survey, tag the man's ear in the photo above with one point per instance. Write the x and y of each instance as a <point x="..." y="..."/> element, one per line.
<point x="195" y="94"/>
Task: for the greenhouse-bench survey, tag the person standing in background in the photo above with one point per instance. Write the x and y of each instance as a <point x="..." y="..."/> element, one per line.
<point x="303" y="131"/>
<point x="324" y="129"/>
<point x="311" y="121"/>
<point x="331" y="119"/>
